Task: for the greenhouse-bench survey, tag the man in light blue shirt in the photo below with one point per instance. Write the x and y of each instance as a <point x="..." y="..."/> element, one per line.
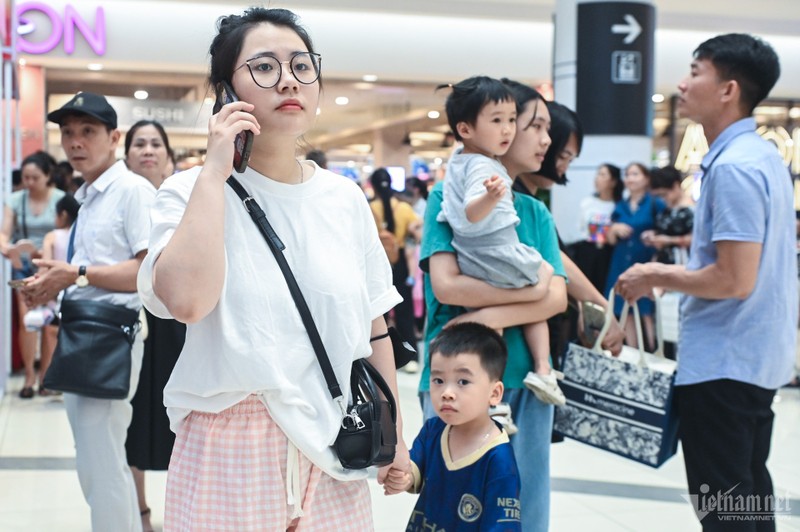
<point x="739" y="314"/>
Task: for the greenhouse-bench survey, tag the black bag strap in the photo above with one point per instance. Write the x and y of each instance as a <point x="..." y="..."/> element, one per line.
<point x="277" y="247"/>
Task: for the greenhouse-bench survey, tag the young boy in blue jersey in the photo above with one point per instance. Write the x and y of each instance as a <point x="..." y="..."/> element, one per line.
<point x="463" y="465"/>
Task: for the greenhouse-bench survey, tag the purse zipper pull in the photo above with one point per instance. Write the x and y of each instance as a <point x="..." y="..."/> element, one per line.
<point x="358" y="423"/>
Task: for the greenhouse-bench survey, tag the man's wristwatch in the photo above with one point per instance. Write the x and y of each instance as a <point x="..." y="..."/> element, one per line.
<point x="82" y="281"/>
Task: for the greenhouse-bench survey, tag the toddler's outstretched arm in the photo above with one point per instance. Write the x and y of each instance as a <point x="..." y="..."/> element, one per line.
<point x="480" y="207"/>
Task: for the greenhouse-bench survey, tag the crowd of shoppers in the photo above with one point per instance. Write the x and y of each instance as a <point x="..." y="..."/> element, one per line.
<point x="235" y="406"/>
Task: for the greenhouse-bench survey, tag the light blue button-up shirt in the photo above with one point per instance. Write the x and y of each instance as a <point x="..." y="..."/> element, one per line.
<point x="746" y="196"/>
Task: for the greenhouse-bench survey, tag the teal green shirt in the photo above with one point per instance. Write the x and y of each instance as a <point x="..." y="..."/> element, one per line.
<point x="536" y="229"/>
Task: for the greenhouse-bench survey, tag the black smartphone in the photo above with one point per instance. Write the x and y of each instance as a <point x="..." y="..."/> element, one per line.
<point x="243" y="142"/>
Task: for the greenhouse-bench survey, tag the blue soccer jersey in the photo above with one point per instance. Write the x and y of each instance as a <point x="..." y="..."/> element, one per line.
<point x="477" y="492"/>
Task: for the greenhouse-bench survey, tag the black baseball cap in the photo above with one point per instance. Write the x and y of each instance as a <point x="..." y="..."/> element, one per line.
<point x="86" y="103"/>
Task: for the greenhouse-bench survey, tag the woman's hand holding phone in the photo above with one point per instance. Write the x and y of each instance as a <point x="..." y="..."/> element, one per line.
<point x="232" y="119"/>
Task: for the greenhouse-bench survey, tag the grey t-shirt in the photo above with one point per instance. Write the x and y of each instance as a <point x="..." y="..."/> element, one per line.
<point x="29" y="225"/>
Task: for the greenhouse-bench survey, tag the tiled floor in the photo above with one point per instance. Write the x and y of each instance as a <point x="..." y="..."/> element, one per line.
<point x="592" y="490"/>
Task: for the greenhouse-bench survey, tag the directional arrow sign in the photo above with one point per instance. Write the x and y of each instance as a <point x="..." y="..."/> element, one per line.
<point x="632" y="28"/>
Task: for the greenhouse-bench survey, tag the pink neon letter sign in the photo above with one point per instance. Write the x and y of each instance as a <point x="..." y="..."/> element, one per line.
<point x="66" y="28"/>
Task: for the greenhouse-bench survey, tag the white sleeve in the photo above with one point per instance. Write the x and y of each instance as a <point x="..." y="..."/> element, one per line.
<point x="137" y="219"/>
<point x="165" y="215"/>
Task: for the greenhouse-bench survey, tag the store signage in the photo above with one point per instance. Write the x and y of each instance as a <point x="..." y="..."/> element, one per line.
<point x="35" y="17"/>
<point x="694" y="146"/>
<point x="188" y="116"/>
<point x="615" y="60"/>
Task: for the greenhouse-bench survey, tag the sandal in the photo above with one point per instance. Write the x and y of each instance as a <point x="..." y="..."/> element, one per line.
<point x="26" y="392"/>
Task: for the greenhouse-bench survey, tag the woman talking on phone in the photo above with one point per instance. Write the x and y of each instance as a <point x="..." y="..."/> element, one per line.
<point x="254" y="420"/>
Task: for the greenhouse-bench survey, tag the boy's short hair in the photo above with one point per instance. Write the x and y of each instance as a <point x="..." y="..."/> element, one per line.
<point x="665" y="177"/>
<point x="746" y="59"/>
<point x="468" y="97"/>
<point x="473" y="338"/>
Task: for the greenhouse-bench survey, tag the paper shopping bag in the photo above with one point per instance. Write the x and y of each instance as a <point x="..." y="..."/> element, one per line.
<point x="622" y="405"/>
<point x="668" y="316"/>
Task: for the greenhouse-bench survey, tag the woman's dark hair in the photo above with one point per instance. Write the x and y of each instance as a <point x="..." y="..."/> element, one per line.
<point x="468" y="97"/>
<point x="43" y="161"/>
<point x="563" y="123"/>
<point x="616" y="175"/>
<point x="522" y="94"/>
<point x="419" y="185"/>
<point x="666" y="177"/>
<point x="69" y="205"/>
<point x="140" y="124"/>
<point x="231" y="31"/>
<point x="381" y="183"/>
<point x="62" y="175"/>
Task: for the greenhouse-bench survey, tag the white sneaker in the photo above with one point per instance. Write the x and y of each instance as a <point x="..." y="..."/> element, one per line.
<point x="546" y="387"/>
<point x="502" y="414"/>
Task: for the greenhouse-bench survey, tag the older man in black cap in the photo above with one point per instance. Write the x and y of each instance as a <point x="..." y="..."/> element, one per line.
<point x="108" y="243"/>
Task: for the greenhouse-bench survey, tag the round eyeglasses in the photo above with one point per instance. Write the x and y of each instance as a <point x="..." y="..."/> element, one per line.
<point x="266" y="70"/>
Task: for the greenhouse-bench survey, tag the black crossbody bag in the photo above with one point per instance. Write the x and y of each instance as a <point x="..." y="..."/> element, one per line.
<point x="368" y="433"/>
<point x="93" y="354"/>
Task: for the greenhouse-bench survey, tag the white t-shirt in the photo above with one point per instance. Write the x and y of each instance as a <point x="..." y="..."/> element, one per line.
<point x="594" y="219"/>
<point x="253" y="341"/>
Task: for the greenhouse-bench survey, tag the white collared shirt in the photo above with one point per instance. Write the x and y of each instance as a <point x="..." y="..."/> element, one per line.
<point x="113" y="225"/>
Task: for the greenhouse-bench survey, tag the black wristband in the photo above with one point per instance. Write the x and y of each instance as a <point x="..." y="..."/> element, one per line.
<point x="379" y="337"/>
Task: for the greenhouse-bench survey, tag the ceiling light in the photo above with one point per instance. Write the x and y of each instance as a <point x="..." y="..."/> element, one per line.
<point x="658" y="98"/>
<point x="794" y="113"/>
<point x="342" y="100"/>
<point x="22" y="61"/>
<point x="370" y="78"/>
<point x="141" y="95"/>
<point x="433" y="115"/>
<point x="94" y="66"/>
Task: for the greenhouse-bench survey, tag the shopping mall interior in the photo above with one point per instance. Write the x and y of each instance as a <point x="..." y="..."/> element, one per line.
<point x="382" y="61"/>
<point x="381" y="64"/>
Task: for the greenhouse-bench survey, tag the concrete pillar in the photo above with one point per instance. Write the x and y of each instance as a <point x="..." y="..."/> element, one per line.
<point x="603" y="68"/>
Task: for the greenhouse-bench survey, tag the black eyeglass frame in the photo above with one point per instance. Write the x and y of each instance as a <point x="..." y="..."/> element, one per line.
<point x="314" y="56"/>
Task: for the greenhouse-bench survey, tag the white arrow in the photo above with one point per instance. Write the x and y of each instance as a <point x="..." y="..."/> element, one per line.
<point x="632" y="28"/>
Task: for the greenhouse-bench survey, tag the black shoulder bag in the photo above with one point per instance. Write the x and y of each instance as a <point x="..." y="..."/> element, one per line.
<point x="93" y="354"/>
<point x="368" y="433"/>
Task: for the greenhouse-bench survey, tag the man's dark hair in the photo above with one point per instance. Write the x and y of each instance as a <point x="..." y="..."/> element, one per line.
<point x="473" y="338"/>
<point x="319" y="157"/>
<point x="468" y="97"/>
<point x="665" y="177"/>
<point x="746" y="59"/>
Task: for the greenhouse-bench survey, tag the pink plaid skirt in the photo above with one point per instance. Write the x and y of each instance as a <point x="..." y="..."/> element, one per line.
<point x="228" y="472"/>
